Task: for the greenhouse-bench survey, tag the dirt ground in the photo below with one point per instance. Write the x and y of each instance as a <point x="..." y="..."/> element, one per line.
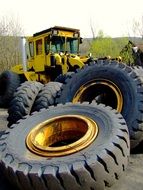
<point x="132" y="179"/>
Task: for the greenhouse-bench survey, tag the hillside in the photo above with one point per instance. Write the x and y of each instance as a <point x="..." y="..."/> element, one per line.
<point x="85" y="46"/>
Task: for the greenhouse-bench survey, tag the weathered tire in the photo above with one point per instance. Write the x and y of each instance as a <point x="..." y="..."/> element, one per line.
<point x="9" y="81"/>
<point x="47" y="96"/>
<point x="94" y="166"/>
<point x="62" y="78"/>
<point x="111" y="83"/>
<point x="22" y="101"/>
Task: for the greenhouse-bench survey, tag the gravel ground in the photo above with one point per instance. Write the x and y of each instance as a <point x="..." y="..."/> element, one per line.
<point x="3" y="119"/>
<point x="131" y="180"/>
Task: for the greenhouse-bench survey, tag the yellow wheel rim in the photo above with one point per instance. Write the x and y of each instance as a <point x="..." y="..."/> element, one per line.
<point x="104" y="89"/>
<point x="62" y="135"/>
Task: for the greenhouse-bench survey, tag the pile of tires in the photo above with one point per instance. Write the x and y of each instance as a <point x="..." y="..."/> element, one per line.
<point x="31" y="96"/>
<point x="78" y="131"/>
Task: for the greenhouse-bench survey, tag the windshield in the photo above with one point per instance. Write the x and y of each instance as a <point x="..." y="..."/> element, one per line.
<point x="72" y="45"/>
<point x="57" y="44"/>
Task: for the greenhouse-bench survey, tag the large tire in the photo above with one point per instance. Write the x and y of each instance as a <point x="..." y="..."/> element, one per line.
<point x="22" y="101"/>
<point x="111" y="83"/>
<point x="47" y="96"/>
<point x="90" y="166"/>
<point x="9" y="81"/>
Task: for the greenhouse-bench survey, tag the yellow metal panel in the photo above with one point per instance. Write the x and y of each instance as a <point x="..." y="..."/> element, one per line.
<point x="48" y="60"/>
<point x="31" y="76"/>
<point x="75" y="61"/>
<point x="39" y="57"/>
<point x="65" y="33"/>
<point x="17" y="69"/>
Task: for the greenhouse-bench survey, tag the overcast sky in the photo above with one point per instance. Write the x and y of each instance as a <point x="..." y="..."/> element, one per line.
<point x="114" y="17"/>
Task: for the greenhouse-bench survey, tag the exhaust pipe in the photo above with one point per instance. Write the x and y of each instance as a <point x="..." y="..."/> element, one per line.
<point x="24" y="55"/>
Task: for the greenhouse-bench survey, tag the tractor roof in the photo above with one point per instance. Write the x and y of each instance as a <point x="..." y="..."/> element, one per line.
<point x="57" y="28"/>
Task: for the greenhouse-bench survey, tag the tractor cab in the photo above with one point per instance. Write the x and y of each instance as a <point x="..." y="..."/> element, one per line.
<point x="50" y="53"/>
<point x="49" y="48"/>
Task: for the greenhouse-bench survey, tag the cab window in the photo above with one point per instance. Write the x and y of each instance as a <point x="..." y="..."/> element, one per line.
<point x="39" y="47"/>
<point x="72" y="45"/>
<point x="57" y="44"/>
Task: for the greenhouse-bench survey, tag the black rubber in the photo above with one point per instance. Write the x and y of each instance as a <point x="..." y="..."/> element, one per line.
<point x="4" y="183"/>
<point x="126" y="79"/>
<point x="93" y="168"/>
<point x="62" y="78"/>
<point x="47" y="96"/>
<point x="22" y="101"/>
<point x="9" y="82"/>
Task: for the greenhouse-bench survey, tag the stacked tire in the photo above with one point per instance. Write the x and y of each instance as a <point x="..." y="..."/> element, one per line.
<point x="23" y="100"/>
<point x="31" y="96"/>
<point x="47" y="96"/>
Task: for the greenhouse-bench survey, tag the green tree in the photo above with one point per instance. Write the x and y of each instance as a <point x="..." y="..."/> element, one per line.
<point x="127" y="54"/>
<point x="103" y="46"/>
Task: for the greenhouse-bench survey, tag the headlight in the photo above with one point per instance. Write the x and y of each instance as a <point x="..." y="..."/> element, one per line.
<point x="55" y="32"/>
<point x="75" y="35"/>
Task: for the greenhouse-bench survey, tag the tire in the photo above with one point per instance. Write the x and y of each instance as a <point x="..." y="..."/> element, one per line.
<point x="47" y="96"/>
<point x="9" y="81"/>
<point x="111" y="83"/>
<point x="22" y="101"/>
<point x="62" y="78"/>
<point x="94" y="166"/>
<point x="139" y="71"/>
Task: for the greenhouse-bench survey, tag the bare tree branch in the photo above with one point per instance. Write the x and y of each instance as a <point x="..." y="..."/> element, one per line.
<point x="10" y="32"/>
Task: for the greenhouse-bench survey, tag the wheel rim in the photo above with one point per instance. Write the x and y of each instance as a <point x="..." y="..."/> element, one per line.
<point x="62" y="135"/>
<point x="102" y="91"/>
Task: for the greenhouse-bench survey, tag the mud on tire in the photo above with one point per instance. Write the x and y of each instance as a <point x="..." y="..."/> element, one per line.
<point x="95" y="166"/>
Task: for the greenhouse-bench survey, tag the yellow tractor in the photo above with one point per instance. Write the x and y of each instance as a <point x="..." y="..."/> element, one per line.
<point x="51" y="52"/>
<point x="48" y="54"/>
